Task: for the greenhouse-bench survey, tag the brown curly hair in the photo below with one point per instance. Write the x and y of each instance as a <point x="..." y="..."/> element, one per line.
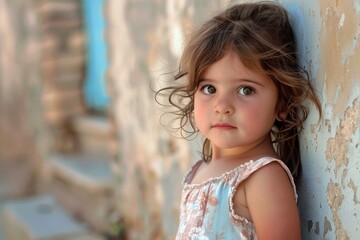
<point x="262" y="37"/>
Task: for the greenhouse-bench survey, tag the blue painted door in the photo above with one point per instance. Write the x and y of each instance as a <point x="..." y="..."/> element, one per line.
<point x="96" y="96"/>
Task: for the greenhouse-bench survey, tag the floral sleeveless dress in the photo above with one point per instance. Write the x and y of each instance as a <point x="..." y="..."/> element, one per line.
<point x="207" y="209"/>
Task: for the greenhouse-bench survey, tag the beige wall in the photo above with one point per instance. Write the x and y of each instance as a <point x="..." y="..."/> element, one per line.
<point x="21" y="129"/>
<point x="145" y="41"/>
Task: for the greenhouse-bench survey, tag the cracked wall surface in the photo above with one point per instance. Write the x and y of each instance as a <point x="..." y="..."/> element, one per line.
<point x="328" y="202"/>
<point x="146" y="40"/>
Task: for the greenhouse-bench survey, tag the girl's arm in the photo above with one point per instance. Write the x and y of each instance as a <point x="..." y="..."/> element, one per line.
<point x="272" y="205"/>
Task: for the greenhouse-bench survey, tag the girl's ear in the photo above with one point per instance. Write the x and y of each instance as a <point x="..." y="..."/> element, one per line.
<point x="281" y="116"/>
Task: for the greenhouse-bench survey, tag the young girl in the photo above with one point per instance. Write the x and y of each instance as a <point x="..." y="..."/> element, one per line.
<point x="244" y="93"/>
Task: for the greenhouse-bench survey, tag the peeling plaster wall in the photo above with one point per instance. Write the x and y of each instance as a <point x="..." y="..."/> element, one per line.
<point x="145" y="41"/>
<point x="328" y="33"/>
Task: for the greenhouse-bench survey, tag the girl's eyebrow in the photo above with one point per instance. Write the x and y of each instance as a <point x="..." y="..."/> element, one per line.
<point x="235" y="80"/>
<point x="252" y="81"/>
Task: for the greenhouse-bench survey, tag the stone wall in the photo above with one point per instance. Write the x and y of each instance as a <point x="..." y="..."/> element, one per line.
<point x="63" y="68"/>
<point x="146" y="39"/>
<point x="22" y="135"/>
<point x="42" y="62"/>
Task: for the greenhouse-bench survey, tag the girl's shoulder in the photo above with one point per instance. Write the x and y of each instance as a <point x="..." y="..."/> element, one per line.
<point x="271" y="196"/>
<point x="269" y="170"/>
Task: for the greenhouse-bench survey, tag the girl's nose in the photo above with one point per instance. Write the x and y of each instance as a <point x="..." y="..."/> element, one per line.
<point x="224" y="105"/>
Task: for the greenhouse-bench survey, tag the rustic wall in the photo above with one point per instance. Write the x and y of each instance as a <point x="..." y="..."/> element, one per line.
<point x="329" y="199"/>
<point x="21" y="129"/>
<point x="145" y="38"/>
<point x="63" y="68"/>
<point x="42" y="62"/>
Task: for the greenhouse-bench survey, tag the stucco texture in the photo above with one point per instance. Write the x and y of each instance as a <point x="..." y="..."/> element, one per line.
<point x="145" y="41"/>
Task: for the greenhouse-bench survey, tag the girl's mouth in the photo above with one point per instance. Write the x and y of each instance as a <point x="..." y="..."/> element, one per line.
<point x="224" y="126"/>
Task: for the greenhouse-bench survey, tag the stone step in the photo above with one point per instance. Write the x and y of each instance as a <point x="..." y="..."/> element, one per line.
<point x="96" y="134"/>
<point x="94" y="125"/>
<point x="41" y="218"/>
<point x="83" y="185"/>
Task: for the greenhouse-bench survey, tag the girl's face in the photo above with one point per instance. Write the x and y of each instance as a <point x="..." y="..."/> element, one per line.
<point x="234" y="106"/>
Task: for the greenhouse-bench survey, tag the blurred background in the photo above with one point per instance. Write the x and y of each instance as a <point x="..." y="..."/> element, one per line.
<point x="82" y="152"/>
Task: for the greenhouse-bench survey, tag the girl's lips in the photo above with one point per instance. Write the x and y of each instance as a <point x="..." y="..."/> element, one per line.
<point x="224" y="126"/>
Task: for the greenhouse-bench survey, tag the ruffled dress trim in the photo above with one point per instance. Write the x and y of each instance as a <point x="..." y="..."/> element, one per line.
<point x="251" y="165"/>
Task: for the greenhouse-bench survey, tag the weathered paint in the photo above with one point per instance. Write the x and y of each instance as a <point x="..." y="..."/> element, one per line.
<point x="329" y="42"/>
<point x="96" y="96"/>
<point x="146" y="38"/>
<point x="337" y="147"/>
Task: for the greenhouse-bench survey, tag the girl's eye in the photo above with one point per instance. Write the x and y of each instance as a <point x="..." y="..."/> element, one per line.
<point x="208" y="89"/>
<point x="246" y="91"/>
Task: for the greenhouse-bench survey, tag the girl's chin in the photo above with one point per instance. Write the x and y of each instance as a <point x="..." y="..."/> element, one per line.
<point x="225" y="146"/>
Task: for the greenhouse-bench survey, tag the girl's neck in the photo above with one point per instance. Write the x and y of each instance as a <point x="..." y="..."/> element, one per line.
<point x="262" y="149"/>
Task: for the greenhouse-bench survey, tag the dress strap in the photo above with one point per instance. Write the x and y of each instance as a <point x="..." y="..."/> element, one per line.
<point x="251" y="167"/>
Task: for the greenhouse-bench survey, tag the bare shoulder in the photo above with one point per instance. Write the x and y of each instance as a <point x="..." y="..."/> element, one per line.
<point x="272" y="204"/>
<point x="272" y="174"/>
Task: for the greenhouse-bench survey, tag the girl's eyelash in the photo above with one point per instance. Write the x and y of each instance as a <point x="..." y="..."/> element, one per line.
<point x="208" y="89"/>
<point x="242" y="90"/>
<point x="246" y="90"/>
